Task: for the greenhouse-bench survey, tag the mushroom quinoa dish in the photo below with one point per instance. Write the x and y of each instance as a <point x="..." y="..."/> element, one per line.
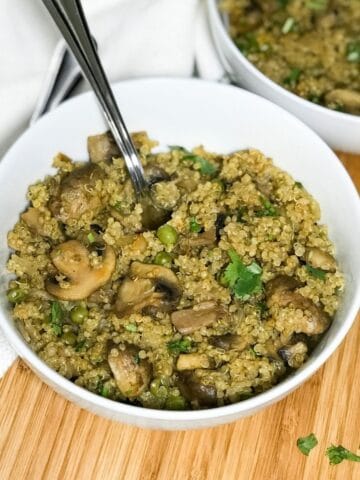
<point x="209" y="298"/>
<point x="310" y="47"/>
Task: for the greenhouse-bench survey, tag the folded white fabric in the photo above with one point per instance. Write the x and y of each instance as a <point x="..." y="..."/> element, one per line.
<point x="136" y="38"/>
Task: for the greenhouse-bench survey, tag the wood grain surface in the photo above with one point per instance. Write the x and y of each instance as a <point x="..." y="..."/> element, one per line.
<point x="43" y="436"/>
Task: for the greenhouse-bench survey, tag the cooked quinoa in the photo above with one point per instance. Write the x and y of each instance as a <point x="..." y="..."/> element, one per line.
<point x="310" y="47"/>
<point x="223" y="293"/>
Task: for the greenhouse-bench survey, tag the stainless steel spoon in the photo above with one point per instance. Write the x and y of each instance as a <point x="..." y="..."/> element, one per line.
<point x="70" y="19"/>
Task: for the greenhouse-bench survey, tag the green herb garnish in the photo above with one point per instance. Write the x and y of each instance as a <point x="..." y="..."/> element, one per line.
<point x="306" y="444"/>
<point x="244" y="280"/>
<point x="316" y="272"/>
<point x="91" y="237"/>
<point x="104" y="391"/>
<point x="194" y="226"/>
<point x="293" y="77"/>
<point x="262" y="306"/>
<point x="131" y="327"/>
<point x="353" y="52"/>
<point x="205" y="167"/>
<point x="283" y="3"/>
<point x="288" y="25"/>
<point x="179" y="346"/>
<point x="240" y="214"/>
<point x="80" y="345"/>
<point x="56" y="316"/>
<point x="336" y="454"/>
<point x="317" y="4"/>
<point x="177" y="147"/>
<point x="268" y="210"/>
<point x="299" y="185"/>
<point x="248" y="44"/>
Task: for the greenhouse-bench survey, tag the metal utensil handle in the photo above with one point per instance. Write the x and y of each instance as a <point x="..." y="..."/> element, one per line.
<point x="70" y="19"/>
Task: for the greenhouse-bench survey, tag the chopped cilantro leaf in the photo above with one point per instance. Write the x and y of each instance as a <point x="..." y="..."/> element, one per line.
<point x="293" y="77"/>
<point x="194" y="226"/>
<point x="247" y="43"/>
<point x="268" y="210"/>
<point x="288" y="25"/>
<point x="179" y="346"/>
<point x="91" y="238"/>
<point x="80" y="345"/>
<point x="317" y="4"/>
<point x="336" y="454"/>
<point x="177" y="147"/>
<point x="305" y="444"/>
<point x="316" y="272"/>
<point x="56" y="316"/>
<point x="131" y="327"/>
<point x="104" y="391"/>
<point x="244" y="280"/>
<point x="205" y="167"/>
<point x="299" y="185"/>
<point x="353" y="52"/>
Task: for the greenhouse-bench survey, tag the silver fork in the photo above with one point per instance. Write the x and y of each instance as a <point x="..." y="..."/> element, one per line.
<point x="70" y="19"/>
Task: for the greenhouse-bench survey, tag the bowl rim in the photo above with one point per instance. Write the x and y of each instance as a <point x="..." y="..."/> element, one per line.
<point x="213" y="8"/>
<point x="244" y="407"/>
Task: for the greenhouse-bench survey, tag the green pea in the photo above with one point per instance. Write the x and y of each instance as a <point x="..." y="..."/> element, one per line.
<point x="164" y="259"/>
<point x="69" y="338"/>
<point x="167" y="235"/>
<point x="16" y="295"/>
<point x="79" y="314"/>
<point x="175" y="402"/>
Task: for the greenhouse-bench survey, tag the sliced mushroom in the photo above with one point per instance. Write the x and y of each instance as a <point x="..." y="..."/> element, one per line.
<point x="349" y="100"/>
<point x="77" y="194"/>
<point x="230" y="341"/>
<point x="317" y="258"/>
<point x="153" y="216"/>
<point x="294" y="355"/>
<point x="151" y="287"/>
<point x="281" y="283"/>
<point x="132" y="375"/>
<point x="191" y="361"/>
<point x="191" y="319"/>
<point x="155" y="174"/>
<point x="280" y="293"/>
<point x="102" y="148"/>
<point x="32" y="217"/>
<point x="200" y="394"/>
<point x="204" y="239"/>
<point x="72" y="260"/>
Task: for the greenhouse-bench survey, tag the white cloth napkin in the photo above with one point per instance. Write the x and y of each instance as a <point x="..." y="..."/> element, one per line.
<point x="136" y="38"/>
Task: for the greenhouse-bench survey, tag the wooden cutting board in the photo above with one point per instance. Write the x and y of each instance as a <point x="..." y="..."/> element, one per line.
<point x="43" y="436"/>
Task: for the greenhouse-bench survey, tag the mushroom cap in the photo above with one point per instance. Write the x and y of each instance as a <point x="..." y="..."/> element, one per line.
<point x="132" y="375"/>
<point x="317" y="258"/>
<point x="77" y="195"/>
<point x="102" y="147"/>
<point x="149" y="288"/>
<point x="191" y="319"/>
<point x="71" y="258"/>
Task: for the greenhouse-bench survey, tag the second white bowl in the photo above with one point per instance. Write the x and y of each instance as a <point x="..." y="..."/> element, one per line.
<point x="339" y="130"/>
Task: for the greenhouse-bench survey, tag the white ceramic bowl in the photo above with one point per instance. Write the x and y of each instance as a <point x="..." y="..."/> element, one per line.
<point x="340" y="130"/>
<point x="189" y="112"/>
